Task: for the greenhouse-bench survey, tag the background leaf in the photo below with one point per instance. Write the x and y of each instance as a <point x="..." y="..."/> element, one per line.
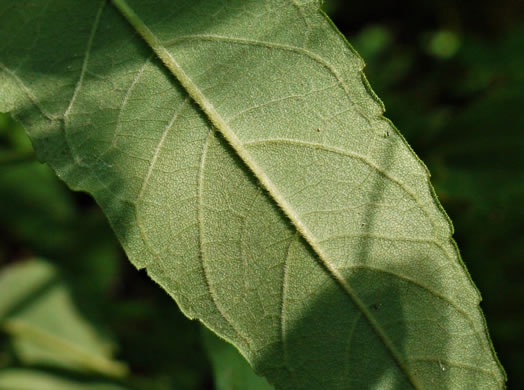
<point x="37" y="312"/>
<point x="230" y="369"/>
<point x="24" y="379"/>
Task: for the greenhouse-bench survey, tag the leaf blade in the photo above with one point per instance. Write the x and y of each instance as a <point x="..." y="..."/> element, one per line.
<point x="140" y="219"/>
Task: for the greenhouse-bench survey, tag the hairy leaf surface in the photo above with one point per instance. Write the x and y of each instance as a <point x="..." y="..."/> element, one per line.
<point x="243" y="161"/>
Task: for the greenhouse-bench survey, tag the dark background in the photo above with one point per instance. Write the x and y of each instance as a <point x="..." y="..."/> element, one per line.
<point x="451" y="74"/>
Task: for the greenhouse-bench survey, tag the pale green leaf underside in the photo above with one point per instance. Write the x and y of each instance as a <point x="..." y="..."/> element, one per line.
<point x="252" y="174"/>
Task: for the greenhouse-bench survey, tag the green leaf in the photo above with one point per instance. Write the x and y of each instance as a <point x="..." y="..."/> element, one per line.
<point x="25" y="379"/>
<point x="36" y="310"/>
<point x="231" y="371"/>
<point x="242" y="159"/>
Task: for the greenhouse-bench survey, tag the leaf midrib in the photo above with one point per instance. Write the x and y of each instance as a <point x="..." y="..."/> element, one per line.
<point x="222" y="126"/>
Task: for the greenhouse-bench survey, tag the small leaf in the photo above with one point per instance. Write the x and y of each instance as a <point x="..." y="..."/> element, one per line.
<point x="323" y="256"/>
<point x="26" y="379"/>
<point x="36" y="310"/>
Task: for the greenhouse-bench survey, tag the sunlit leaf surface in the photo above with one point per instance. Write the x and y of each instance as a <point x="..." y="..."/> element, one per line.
<point x="243" y="161"/>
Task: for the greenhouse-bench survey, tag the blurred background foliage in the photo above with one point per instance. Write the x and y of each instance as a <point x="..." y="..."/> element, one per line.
<point x="451" y="74"/>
